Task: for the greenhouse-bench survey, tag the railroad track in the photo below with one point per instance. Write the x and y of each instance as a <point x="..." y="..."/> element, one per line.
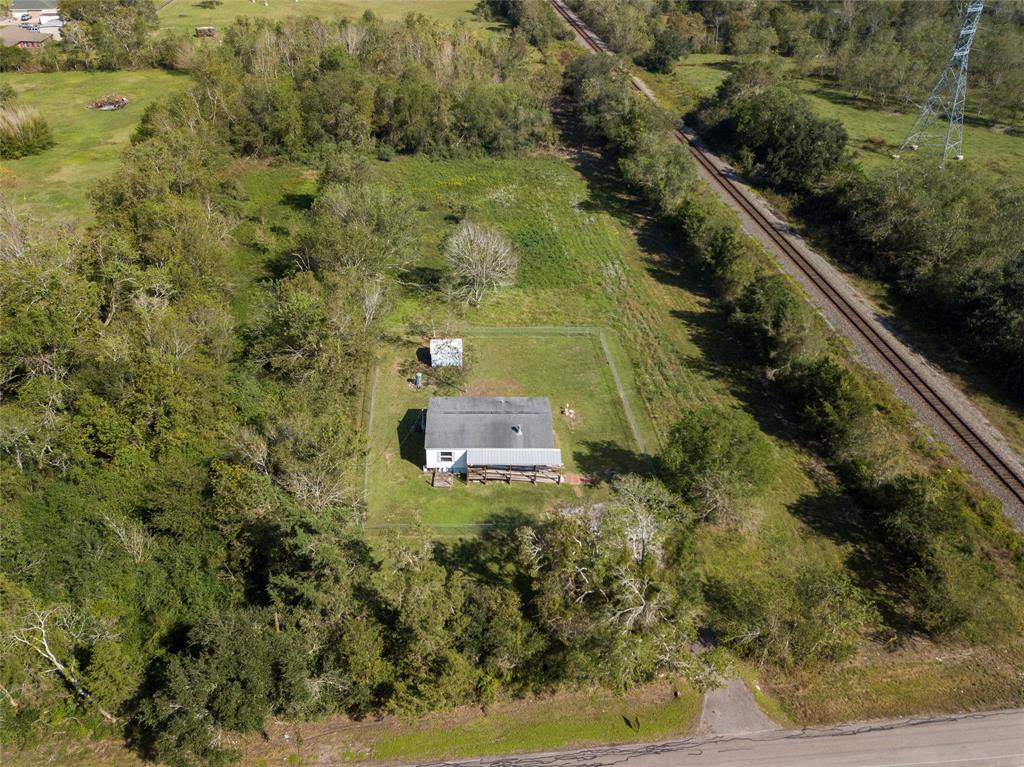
<point x="1001" y="472"/>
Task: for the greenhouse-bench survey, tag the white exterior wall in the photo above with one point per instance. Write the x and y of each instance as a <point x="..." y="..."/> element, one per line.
<point x="457" y="464"/>
<point x="496" y="457"/>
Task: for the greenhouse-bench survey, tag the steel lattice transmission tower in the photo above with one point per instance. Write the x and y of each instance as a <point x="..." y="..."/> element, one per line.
<point x="947" y="97"/>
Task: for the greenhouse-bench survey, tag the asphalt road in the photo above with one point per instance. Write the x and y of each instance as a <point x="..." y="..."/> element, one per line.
<point x="994" y="739"/>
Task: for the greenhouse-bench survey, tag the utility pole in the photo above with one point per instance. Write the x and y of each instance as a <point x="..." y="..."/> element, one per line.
<point x="947" y="97"/>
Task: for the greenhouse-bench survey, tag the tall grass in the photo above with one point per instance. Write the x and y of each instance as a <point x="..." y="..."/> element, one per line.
<point x="23" y="132"/>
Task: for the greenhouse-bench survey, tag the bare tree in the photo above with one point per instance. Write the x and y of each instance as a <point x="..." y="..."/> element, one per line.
<point x="44" y="631"/>
<point x="373" y="295"/>
<point x="352" y="37"/>
<point x="479" y="259"/>
<point x="253" y="447"/>
<point x="13" y="235"/>
<point x="131" y="535"/>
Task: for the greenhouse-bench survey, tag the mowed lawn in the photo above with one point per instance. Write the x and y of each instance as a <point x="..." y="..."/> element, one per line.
<point x="568" y="369"/>
<point x="53" y="186"/>
<point x="185" y="15"/>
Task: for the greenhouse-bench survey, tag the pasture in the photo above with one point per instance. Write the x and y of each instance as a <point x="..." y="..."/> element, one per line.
<point x="185" y="15"/>
<point x="53" y="186"/>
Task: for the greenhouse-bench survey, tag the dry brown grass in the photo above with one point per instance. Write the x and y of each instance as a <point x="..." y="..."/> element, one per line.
<point x="918" y="679"/>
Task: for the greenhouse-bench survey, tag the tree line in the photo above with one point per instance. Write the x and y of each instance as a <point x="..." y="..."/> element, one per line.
<point x="947" y="238"/>
<point x="886" y="53"/>
<point x="954" y="272"/>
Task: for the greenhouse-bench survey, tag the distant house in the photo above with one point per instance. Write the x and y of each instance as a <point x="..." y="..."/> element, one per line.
<point x="18" y="37"/>
<point x="446" y="352"/>
<point x="32" y="10"/>
<point x="504" y="438"/>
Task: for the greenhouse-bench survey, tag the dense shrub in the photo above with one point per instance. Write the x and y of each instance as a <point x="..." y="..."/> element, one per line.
<point x="13" y="58"/>
<point x="606" y="104"/>
<point x="777" y="322"/>
<point x="716" y="457"/>
<point x="755" y="114"/>
<point x="623" y="24"/>
<point x="23" y="132"/>
<point x="534" y="18"/>
<point x="812" y="615"/>
<point x="834" y="405"/>
<point x="953" y="244"/>
<point x="929" y="527"/>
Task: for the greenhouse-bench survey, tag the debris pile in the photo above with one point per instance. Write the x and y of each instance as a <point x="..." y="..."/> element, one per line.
<point x="109" y="103"/>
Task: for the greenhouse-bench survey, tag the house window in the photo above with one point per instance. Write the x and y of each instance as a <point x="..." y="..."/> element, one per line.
<point x="446" y="456"/>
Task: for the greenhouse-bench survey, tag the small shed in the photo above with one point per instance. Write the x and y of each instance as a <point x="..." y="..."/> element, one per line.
<point x="445" y="352"/>
<point x="503" y="438"/>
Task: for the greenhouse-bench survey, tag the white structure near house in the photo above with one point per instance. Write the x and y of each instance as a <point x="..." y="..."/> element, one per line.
<point x="512" y="434"/>
<point x="445" y="352"/>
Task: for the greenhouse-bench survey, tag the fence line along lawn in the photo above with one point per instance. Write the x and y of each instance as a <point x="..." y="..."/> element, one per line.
<point x="185" y="15"/>
<point x="53" y="185"/>
<point x="570" y="370"/>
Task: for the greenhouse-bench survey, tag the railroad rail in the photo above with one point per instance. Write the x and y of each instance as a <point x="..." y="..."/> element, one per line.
<point x="997" y="467"/>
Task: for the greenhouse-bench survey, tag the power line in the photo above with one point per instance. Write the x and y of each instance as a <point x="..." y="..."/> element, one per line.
<point x="948" y="97"/>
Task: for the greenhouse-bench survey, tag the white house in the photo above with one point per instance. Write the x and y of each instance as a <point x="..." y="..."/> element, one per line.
<point x="445" y="352"/>
<point x="510" y="433"/>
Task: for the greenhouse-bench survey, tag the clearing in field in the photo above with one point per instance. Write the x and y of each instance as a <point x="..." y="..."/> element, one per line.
<point x="596" y="438"/>
<point x="185" y="15"/>
<point x="53" y="186"/>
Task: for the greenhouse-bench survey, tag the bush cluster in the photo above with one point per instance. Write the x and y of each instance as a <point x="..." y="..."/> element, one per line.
<point x="950" y="240"/>
<point x="758" y="116"/>
<point x="23" y="132"/>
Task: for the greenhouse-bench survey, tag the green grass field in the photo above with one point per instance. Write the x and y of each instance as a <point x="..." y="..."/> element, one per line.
<point x="562" y="721"/>
<point x="185" y="15"/>
<point x="567" y="719"/>
<point x="996" y="152"/>
<point x="53" y="186"/>
<point x="569" y="369"/>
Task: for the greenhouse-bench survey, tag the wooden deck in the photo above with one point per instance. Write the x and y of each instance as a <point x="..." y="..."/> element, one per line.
<point x="550" y="475"/>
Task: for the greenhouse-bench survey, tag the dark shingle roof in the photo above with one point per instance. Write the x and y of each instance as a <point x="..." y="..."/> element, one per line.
<point x="487" y="422"/>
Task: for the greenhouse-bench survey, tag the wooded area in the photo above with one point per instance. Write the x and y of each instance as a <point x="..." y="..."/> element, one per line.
<point x="183" y="554"/>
